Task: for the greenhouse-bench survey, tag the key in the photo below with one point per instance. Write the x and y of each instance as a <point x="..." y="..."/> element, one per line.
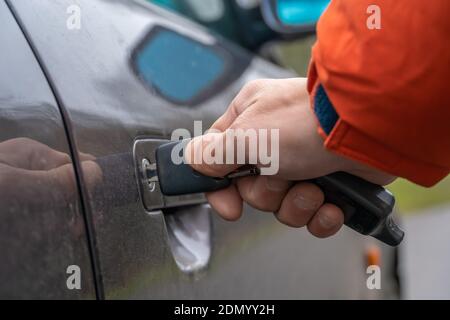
<point x="367" y="207"/>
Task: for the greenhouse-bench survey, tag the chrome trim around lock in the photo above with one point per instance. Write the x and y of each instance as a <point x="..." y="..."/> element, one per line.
<point x="147" y="177"/>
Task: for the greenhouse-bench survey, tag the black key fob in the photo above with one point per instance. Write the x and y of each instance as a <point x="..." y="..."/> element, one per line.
<point x="178" y="179"/>
<point x="367" y="207"/>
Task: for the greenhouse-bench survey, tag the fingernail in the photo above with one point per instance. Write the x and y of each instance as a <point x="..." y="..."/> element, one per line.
<point x="326" y="221"/>
<point x="306" y="203"/>
<point x="275" y="185"/>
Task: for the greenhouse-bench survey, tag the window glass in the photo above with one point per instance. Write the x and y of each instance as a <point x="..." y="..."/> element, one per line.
<point x="248" y="4"/>
<point x="167" y="3"/>
<point x="179" y="68"/>
<point x="298" y="12"/>
<point x="207" y="10"/>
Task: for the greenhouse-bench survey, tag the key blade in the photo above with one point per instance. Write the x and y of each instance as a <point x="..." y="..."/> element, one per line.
<point x="244" y="172"/>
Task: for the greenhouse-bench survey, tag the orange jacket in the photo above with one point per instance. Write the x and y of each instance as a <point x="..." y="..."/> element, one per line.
<point x="389" y="86"/>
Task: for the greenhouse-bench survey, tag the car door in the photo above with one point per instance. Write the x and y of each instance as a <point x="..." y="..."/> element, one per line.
<point x="43" y="239"/>
<point x="128" y="74"/>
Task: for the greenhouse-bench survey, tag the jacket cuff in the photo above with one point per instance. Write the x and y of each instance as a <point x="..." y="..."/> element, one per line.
<point x="343" y="139"/>
<point x="324" y="110"/>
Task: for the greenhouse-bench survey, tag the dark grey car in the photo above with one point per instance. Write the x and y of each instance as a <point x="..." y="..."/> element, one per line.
<point x="87" y="89"/>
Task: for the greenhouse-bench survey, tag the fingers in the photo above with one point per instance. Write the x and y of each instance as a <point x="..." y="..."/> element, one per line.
<point x="227" y="203"/>
<point x="304" y="206"/>
<point x="208" y="154"/>
<point x="216" y="154"/>
<point x="300" y="204"/>
<point x="264" y="193"/>
<point x="327" y="221"/>
<point x="244" y="99"/>
<point x="297" y="206"/>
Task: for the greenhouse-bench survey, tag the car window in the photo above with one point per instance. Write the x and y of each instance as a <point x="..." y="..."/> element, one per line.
<point x="207" y="10"/>
<point x="179" y="68"/>
<point x="303" y="12"/>
<point x="237" y="20"/>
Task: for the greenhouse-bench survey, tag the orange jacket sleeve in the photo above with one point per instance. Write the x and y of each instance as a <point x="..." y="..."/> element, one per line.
<point x="389" y="86"/>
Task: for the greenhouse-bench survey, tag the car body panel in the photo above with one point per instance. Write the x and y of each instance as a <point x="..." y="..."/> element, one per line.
<point x="109" y="107"/>
<point x="42" y="228"/>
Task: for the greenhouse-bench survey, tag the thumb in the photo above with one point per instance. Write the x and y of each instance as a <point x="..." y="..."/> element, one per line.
<point x="212" y="154"/>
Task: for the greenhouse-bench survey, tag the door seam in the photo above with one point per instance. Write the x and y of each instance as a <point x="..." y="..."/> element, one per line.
<point x="82" y="192"/>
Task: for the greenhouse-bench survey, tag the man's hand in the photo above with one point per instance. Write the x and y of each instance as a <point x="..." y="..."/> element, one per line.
<point x="284" y="105"/>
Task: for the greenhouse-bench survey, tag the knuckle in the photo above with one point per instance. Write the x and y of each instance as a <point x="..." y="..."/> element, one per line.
<point x="253" y="87"/>
<point x="233" y="109"/>
<point x="267" y="205"/>
<point x="290" y="221"/>
<point x="307" y="196"/>
<point x="253" y="199"/>
<point x="260" y="201"/>
<point x="327" y="222"/>
<point x="249" y="94"/>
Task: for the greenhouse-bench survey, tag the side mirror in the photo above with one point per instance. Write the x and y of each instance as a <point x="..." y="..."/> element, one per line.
<point x="293" y="18"/>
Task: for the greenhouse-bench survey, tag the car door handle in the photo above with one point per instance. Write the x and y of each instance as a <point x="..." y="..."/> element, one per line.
<point x="189" y="230"/>
<point x="187" y="217"/>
